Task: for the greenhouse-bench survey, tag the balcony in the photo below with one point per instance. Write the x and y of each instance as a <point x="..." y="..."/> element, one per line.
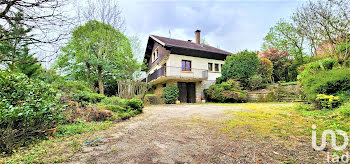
<point x="177" y="73"/>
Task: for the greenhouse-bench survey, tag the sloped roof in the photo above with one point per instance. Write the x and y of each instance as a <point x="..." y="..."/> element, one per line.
<point x="187" y="44"/>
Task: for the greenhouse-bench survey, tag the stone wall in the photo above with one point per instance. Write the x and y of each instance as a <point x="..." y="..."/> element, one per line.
<point x="287" y="93"/>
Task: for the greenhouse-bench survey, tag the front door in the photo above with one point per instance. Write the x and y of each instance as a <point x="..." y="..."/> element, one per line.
<point x="187" y="92"/>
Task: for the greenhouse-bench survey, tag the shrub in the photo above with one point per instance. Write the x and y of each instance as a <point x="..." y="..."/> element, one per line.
<point x="240" y="66"/>
<point x="135" y="104"/>
<point x="88" y="97"/>
<point x="124" y="107"/>
<point x="152" y="99"/>
<point x="111" y="100"/>
<point x="344" y="111"/>
<point x="71" y="87"/>
<point x="27" y="108"/>
<point x="256" y="82"/>
<point x="328" y="101"/>
<point x="265" y="69"/>
<point x="329" y="82"/>
<point x="170" y="94"/>
<point x="229" y="91"/>
<point x="280" y="63"/>
<point x="114" y="108"/>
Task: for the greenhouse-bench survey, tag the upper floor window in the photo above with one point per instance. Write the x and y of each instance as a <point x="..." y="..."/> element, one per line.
<point x="155" y="55"/>
<point x="217" y="67"/>
<point x="210" y="66"/>
<point x="186" y="65"/>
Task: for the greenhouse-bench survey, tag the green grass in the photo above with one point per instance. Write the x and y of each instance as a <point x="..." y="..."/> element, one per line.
<point x="289" y="83"/>
<point x="67" y="141"/>
<point x="285" y="122"/>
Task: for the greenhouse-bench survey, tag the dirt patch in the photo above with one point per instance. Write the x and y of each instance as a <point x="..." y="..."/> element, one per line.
<point x="184" y="134"/>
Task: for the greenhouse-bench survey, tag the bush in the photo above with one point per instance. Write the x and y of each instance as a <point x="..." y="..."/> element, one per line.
<point x="256" y="82"/>
<point x="114" y="108"/>
<point x="27" y="108"/>
<point x="124" y="107"/>
<point x="280" y="63"/>
<point x="344" y="111"/>
<point x="329" y="82"/>
<point x="265" y="69"/>
<point x="71" y="87"/>
<point x="88" y="97"/>
<point x="240" y="66"/>
<point x="170" y="94"/>
<point x="328" y="101"/>
<point x="135" y="104"/>
<point x="111" y="100"/>
<point x="229" y="91"/>
<point x="152" y="99"/>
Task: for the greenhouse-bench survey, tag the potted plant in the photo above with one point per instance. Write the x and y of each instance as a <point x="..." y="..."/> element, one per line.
<point x="202" y="99"/>
<point x="177" y="101"/>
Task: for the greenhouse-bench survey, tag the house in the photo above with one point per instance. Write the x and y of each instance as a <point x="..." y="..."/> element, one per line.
<point x="191" y="66"/>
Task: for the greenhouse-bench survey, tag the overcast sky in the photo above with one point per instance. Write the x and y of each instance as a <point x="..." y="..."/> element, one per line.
<point x="231" y="25"/>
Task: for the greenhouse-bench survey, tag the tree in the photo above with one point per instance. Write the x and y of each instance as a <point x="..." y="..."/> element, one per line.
<point x="265" y="69"/>
<point x="99" y="48"/>
<point x="14" y="53"/>
<point x="323" y="21"/>
<point x="241" y="65"/>
<point x="280" y="63"/>
<point x="285" y="37"/>
<point x="105" y="11"/>
<point x="40" y="15"/>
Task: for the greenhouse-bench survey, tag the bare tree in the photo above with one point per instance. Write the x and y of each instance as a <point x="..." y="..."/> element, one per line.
<point x="39" y="15"/>
<point x="323" y="21"/>
<point x="44" y="19"/>
<point x="105" y="11"/>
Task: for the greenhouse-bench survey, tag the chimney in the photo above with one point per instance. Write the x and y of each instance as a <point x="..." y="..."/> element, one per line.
<point x="198" y="36"/>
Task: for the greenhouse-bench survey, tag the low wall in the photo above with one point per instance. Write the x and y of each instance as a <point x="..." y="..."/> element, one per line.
<point x="276" y="92"/>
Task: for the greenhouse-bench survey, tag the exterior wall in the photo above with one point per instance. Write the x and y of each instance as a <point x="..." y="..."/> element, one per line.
<point x="200" y="86"/>
<point x="196" y="63"/>
<point x="162" y="54"/>
<point x="174" y="60"/>
<point x="158" y="90"/>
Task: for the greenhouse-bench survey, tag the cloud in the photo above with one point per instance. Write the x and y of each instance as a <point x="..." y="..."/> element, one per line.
<point x="231" y="25"/>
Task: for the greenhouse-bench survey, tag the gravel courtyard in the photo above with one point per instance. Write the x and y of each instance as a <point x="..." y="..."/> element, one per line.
<point x="186" y="133"/>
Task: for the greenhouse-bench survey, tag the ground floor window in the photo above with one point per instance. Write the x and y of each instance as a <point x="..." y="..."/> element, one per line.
<point x="210" y="66"/>
<point x="217" y="67"/>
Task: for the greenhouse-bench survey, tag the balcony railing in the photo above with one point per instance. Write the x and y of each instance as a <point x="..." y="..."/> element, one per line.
<point x="177" y="72"/>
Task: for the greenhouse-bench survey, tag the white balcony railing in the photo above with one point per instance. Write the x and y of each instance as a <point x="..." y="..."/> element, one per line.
<point x="178" y="72"/>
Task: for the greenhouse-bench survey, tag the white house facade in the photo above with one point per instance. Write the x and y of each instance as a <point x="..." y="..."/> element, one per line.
<point x="190" y="66"/>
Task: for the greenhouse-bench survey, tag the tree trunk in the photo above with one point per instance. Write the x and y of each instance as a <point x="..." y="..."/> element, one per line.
<point x="89" y="76"/>
<point x="100" y="83"/>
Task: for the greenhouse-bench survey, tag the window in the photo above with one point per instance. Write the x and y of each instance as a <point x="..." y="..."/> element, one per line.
<point x="210" y="66"/>
<point x="155" y="55"/>
<point x="217" y="67"/>
<point x="186" y="65"/>
<point x="221" y="67"/>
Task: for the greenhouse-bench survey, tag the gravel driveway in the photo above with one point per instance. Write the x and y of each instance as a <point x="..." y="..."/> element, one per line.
<point x="164" y="134"/>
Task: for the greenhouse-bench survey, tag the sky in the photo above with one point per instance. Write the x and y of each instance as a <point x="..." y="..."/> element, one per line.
<point x="233" y="25"/>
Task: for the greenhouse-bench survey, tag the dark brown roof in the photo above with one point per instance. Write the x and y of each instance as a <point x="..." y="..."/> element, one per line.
<point x="186" y="44"/>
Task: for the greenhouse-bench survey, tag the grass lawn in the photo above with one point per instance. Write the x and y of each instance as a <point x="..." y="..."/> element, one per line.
<point x="289" y="124"/>
<point x="67" y="141"/>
